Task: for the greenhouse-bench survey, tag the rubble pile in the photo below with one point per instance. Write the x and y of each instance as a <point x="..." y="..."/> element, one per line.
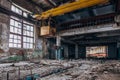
<point x="43" y="68"/>
<point x="110" y="70"/>
<point x="79" y="68"/>
<point x="62" y="70"/>
<point x="89" y="70"/>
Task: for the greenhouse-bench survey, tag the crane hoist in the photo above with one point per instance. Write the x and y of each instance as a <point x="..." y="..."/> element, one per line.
<point x="68" y="7"/>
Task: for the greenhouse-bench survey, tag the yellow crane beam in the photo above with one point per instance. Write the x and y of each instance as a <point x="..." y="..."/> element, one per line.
<point x="69" y="7"/>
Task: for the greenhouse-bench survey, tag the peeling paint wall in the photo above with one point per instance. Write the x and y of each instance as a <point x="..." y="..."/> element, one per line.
<point x="41" y="44"/>
<point x="5" y="3"/>
<point x="4" y="37"/>
<point x="4" y="28"/>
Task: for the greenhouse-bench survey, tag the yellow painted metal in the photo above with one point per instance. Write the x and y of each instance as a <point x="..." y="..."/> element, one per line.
<point x="69" y="7"/>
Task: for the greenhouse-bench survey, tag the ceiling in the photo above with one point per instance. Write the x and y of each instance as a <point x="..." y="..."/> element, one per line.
<point x="88" y="12"/>
<point x="48" y="4"/>
<point x="79" y="14"/>
<point x="111" y="36"/>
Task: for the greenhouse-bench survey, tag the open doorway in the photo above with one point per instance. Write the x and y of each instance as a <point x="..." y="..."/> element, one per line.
<point x="97" y="52"/>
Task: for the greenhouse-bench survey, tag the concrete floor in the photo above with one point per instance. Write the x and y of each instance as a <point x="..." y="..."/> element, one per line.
<point x="62" y="70"/>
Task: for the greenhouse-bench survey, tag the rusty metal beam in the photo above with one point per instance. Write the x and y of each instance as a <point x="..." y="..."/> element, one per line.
<point x="88" y="19"/>
<point x="69" y="7"/>
<point x="91" y="29"/>
<point x="50" y="3"/>
<point x="97" y="20"/>
<point x="34" y="3"/>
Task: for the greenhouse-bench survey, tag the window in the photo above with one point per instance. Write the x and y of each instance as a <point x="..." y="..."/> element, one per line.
<point x="28" y="35"/>
<point x="20" y="11"/>
<point x="15" y="41"/>
<point x="21" y="32"/>
<point x="16" y="9"/>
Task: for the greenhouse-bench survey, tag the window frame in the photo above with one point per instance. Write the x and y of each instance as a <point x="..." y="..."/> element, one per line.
<point x="23" y="22"/>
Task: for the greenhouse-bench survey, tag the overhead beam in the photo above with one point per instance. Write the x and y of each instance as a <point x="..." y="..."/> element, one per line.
<point x="69" y="7"/>
<point x="90" y="29"/>
<point x="96" y="42"/>
<point x="98" y="35"/>
<point x="109" y="34"/>
<point x="67" y="41"/>
<point x="77" y="21"/>
<point x="100" y="40"/>
<point x="50" y="3"/>
<point x="32" y="2"/>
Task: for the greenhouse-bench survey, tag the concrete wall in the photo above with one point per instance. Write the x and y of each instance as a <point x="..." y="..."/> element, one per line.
<point x="5" y="3"/>
<point x="119" y="53"/>
<point x="65" y="51"/>
<point x="118" y="50"/>
<point x="4" y="27"/>
<point x="4" y="31"/>
<point x="81" y="52"/>
<point x="71" y="51"/>
<point x="112" y="51"/>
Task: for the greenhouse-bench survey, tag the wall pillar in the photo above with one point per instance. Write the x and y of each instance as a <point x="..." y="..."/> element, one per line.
<point x="66" y="56"/>
<point x="58" y="47"/>
<point x="58" y="40"/>
<point x="45" y="50"/>
<point x="76" y="51"/>
<point x="112" y="51"/>
<point x="82" y="52"/>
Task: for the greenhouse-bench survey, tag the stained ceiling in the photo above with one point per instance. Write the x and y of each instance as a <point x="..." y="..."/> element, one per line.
<point x="79" y="14"/>
<point x="48" y="4"/>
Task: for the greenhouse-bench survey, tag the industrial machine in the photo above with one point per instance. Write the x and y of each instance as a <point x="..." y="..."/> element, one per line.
<point x="66" y="8"/>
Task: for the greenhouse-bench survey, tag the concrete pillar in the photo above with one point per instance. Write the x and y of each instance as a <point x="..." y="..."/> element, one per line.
<point x="82" y="52"/>
<point x="58" y="40"/>
<point x="76" y="51"/>
<point x="45" y="51"/>
<point x="66" y="52"/>
<point x="58" y="50"/>
<point x="112" y="51"/>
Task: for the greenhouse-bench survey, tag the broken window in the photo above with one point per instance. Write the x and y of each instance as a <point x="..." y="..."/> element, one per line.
<point x="15" y="41"/>
<point x="16" y="10"/>
<point x="28" y="35"/>
<point x="21" y="31"/>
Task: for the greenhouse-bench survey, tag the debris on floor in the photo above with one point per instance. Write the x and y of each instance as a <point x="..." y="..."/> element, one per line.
<point x="61" y="70"/>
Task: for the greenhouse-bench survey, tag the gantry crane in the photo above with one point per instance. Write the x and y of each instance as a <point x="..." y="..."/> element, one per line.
<point x="68" y="7"/>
